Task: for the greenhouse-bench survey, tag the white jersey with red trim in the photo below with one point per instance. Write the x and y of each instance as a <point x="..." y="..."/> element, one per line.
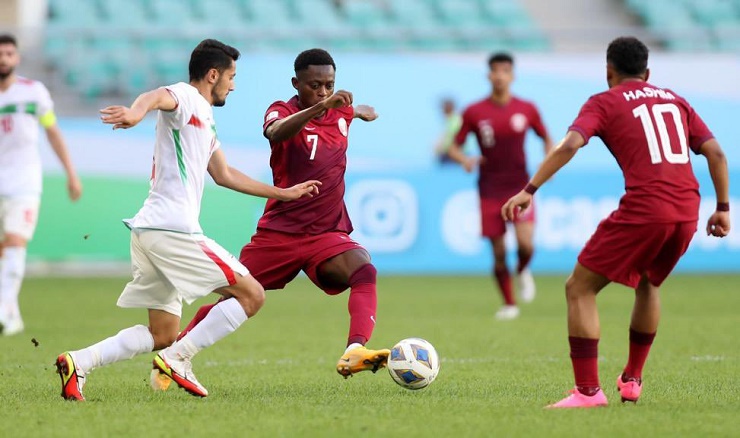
<point x="21" y="106"/>
<point x="185" y="140"/>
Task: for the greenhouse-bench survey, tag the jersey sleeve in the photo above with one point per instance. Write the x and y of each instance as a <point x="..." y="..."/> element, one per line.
<point x="536" y="122"/>
<point x="277" y="111"/>
<point x="698" y="131"/>
<point x="590" y="119"/>
<point x="348" y="113"/>
<point x="45" y="104"/>
<point x="179" y="116"/>
<point x="465" y="127"/>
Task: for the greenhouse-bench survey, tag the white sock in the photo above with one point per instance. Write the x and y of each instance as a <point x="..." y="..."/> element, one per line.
<point x="222" y="320"/>
<point x="11" y="276"/>
<point x="126" y="344"/>
<point x="352" y="347"/>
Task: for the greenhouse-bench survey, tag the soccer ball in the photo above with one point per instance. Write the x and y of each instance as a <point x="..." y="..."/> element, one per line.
<point x="413" y="363"/>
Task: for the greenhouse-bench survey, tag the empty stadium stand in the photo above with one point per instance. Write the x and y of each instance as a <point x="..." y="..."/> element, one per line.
<point x="692" y="25"/>
<point x="121" y="46"/>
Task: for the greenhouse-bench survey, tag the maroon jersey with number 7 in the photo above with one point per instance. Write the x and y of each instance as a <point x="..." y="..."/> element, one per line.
<point x="318" y="152"/>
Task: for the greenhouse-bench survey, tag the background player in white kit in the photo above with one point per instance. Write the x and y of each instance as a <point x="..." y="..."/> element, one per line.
<point x="171" y="259"/>
<point x="24" y="105"/>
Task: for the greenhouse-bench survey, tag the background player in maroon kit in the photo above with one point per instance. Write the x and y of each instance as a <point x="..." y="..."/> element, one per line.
<point x="308" y="136"/>
<point x="649" y="130"/>
<point x="500" y="123"/>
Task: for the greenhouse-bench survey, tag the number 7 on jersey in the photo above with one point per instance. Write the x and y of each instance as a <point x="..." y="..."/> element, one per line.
<point x="314" y="140"/>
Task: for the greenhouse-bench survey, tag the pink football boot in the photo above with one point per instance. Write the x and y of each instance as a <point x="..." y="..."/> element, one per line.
<point x="630" y="390"/>
<point x="578" y="400"/>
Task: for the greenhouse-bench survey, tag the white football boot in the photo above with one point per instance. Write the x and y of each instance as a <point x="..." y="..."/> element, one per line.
<point x="525" y="286"/>
<point x="506" y="313"/>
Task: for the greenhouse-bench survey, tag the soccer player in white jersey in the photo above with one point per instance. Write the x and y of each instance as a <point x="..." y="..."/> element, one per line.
<point x="24" y="105"/>
<point x="171" y="259"/>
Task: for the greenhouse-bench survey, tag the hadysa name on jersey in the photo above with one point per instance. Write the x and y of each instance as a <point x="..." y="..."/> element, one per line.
<point x="647" y="92"/>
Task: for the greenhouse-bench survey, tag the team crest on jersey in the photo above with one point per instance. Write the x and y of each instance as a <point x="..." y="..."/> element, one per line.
<point x="518" y="122"/>
<point x="271" y="115"/>
<point x="342" y="123"/>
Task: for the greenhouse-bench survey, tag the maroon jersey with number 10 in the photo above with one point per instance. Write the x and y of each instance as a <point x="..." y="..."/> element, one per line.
<point x="649" y="130"/>
<point x="318" y="152"/>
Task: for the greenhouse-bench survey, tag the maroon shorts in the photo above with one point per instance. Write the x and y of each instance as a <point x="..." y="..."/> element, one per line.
<point x="624" y="252"/>
<point x="275" y="258"/>
<point x="492" y="224"/>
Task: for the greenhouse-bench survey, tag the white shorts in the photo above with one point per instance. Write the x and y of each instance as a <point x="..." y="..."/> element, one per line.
<point x="169" y="267"/>
<point x="18" y="215"/>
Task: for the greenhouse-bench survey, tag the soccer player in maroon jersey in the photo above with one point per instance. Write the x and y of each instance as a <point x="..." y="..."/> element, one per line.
<point x="649" y="130"/>
<point x="308" y="136"/>
<point x="500" y="123"/>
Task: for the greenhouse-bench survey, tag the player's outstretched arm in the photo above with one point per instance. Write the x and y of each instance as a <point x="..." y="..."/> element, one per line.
<point x="366" y="113"/>
<point x="288" y="127"/>
<point x="124" y="117"/>
<point x="718" y="224"/>
<point x="56" y="140"/>
<point x="558" y="157"/>
<point x="226" y="176"/>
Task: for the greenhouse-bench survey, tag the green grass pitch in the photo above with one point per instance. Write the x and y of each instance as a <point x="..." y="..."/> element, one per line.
<point x="275" y="376"/>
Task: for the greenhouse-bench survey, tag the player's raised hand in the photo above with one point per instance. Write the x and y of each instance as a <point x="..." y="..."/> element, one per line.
<point x="308" y="188"/>
<point x="121" y="116"/>
<point x="365" y="113"/>
<point x="516" y="205"/>
<point x="337" y="100"/>
<point x="718" y="224"/>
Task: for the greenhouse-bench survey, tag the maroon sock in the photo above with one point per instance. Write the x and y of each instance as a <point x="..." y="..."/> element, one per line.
<point x="640" y="344"/>
<point x="504" y="284"/>
<point x="199" y="315"/>
<point x="524" y="258"/>
<point x="363" y="302"/>
<point x="584" y="354"/>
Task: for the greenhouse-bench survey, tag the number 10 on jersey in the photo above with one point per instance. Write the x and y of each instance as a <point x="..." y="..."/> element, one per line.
<point x="659" y="112"/>
<point x="313" y="139"/>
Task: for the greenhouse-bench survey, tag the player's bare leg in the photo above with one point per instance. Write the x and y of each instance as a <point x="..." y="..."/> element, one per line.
<point x="584" y="332"/>
<point x="163" y="326"/>
<point x="12" y="269"/>
<point x="525" y="249"/>
<point x="503" y="280"/>
<point x="644" y="325"/>
<point x="353" y="269"/>
<point x="242" y="301"/>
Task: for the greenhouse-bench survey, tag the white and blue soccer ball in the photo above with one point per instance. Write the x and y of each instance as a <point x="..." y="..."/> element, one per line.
<point x="413" y="363"/>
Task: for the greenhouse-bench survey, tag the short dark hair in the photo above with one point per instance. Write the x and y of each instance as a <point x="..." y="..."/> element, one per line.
<point x="628" y="56"/>
<point x="7" y="38"/>
<point x="501" y="57"/>
<point x="313" y="57"/>
<point x="211" y="54"/>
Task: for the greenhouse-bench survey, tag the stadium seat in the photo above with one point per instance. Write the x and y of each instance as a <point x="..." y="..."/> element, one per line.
<point x="172" y="12"/>
<point x="129" y="15"/>
<point x="224" y="13"/>
<point x="365" y="13"/>
<point x="66" y="14"/>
